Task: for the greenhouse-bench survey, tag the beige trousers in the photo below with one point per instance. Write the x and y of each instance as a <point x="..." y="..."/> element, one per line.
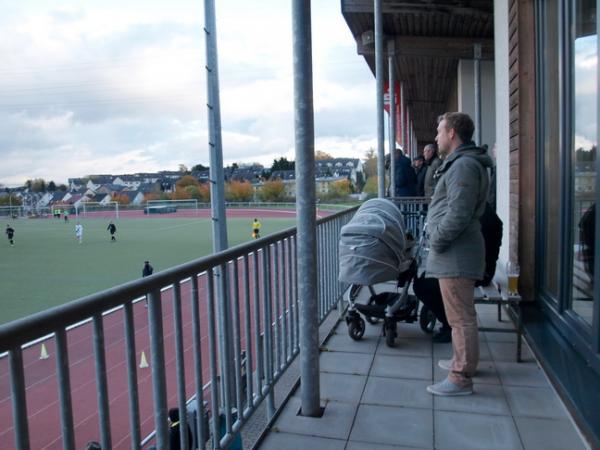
<point x="457" y="294"/>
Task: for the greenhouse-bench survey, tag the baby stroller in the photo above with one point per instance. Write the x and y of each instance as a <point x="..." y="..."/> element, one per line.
<point x="375" y="248"/>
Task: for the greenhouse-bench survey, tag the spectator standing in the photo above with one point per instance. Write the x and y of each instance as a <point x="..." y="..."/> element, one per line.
<point x="10" y="234"/>
<point x="405" y="178"/>
<point x="174" y="436"/>
<point x="433" y="162"/>
<point x="79" y="232"/>
<point x="112" y="229"/>
<point x="457" y="253"/>
<point x="420" y="172"/>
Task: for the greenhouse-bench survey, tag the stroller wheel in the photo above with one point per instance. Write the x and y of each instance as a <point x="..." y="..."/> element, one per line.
<point x="427" y="320"/>
<point x="356" y="329"/>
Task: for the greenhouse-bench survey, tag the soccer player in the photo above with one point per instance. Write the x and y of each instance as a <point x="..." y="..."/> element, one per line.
<point x="146" y="272"/>
<point x="112" y="228"/>
<point x="10" y="233"/>
<point x="79" y="232"/>
<point x="256" y="229"/>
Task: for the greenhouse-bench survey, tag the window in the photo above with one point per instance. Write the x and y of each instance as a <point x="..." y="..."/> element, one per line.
<point x="584" y="51"/>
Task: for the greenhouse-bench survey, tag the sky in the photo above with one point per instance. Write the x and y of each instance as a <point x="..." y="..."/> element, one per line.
<point x="113" y="87"/>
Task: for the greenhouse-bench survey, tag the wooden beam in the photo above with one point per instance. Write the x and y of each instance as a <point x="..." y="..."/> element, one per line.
<point x="434" y="47"/>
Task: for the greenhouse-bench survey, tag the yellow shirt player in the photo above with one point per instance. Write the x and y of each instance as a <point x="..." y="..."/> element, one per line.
<point x="256" y="229"/>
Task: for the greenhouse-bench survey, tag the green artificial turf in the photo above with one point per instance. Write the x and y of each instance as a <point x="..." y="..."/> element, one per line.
<point x="48" y="267"/>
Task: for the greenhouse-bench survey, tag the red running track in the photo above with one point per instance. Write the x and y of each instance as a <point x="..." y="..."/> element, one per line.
<point x="41" y="383"/>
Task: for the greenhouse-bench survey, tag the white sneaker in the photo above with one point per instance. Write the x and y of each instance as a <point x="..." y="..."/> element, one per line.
<point x="445" y="364"/>
<point x="447" y="388"/>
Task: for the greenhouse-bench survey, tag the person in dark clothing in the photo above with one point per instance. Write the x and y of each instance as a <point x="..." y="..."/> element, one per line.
<point x="587" y="237"/>
<point x="174" y="438"/>
<point x="420" y="172"/>
<point x="10" y="234"/>
<point x="146" y="272"/>
<point x="428" y="289"/>
<point x="405" y="178"/>
<point x="112" y="229"/>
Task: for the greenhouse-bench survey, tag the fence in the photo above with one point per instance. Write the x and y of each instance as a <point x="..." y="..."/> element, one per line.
<point x="227" y="355"/>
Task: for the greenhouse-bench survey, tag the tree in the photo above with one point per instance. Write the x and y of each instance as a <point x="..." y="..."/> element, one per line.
<point x="371" y="186"/>
<point x="320" y="155"/>
<point x="121" y="199"/>
<point x="62" y="187"/>
<point x="204" y="192"/>
<point x="283" y="164"/>
<point x="10" y="199"/>
<point x="183" y="168"/>
<point x="186" y="180"/>
<point x="51" y="186"/>
<point x="239" y="191"/>
<point x="38" y="185"/>
<point x="199" y="168"/>
<point x="370" y="164"/>
<point x="151" y="196"/>
<point x="272" y="191"/>
<point x="340" y="189"/>
<point x="180" y="193"/>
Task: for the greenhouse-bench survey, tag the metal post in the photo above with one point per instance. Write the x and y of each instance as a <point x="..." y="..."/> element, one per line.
<point x="477" y="87"/>
<point x="157" y="362"/>
<point x="217" y="191"/>
<point x="392" y="122"/>
<point x="305" y="207"/>
<point x="379" y="111"/>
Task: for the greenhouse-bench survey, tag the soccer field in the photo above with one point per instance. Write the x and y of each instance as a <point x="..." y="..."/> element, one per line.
<point x="48" y="267"/>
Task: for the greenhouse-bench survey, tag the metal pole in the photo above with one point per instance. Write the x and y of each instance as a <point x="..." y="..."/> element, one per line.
<point x="379" y="82"/>
<point x="392" y="122"/>
<point x="477" y="86"/>
<point x="217" y="191"/>
<point x="305" y="207"/>
<point x="402" y="117"/>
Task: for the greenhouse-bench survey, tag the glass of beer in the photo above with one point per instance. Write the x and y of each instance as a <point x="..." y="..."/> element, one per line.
<point x="512" y="271"/>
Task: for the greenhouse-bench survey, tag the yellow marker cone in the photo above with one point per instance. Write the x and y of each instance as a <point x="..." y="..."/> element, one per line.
<point x="44" y="353"/>
<point x="143" y="361"/>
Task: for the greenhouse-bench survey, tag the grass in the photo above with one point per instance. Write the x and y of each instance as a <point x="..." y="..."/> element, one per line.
<point x="48" y="267"/>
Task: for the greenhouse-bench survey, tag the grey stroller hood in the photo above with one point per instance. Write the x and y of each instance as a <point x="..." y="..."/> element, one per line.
<point x="372" y="246"/>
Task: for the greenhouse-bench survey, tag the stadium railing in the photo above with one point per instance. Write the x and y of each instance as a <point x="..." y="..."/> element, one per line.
<point x="246" y="356"/>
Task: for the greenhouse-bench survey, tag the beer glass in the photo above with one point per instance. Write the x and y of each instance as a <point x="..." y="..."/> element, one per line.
<point x="512" y="271"/>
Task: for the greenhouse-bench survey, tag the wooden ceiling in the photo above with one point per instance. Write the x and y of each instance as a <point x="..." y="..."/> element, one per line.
<point x="428" y="38"/>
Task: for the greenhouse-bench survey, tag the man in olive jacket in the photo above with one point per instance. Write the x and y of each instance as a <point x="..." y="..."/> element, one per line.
<point x="456" y="247"/>
<point x="433" y="163"/>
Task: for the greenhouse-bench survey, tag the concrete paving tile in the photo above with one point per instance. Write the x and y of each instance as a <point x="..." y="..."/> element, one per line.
<point x="507" y="351"/>
<point x="411" y="367"/>
<point x="549" y="434"/>
<point x="335" y="423"/>
<point x="343" y="343"/>
<point x="501" y="337"/>
<point x="521" y="374"/>
<point x="289" y="441"/>
<point x="492" y="321"/>
<point x="465" y="431"/>
<point x="486" y="373"/>
<point x="341" y="387"/>
<point x="486" y="399"/>
<point x="407" y="346"/>
<point x="354" y="445"/>
<point x="344" y="362"/>
<point x="393" y="425"/>
<point x="537" y="402"/>
<point x="410" y="330"/>
<point x="397" y="392"/>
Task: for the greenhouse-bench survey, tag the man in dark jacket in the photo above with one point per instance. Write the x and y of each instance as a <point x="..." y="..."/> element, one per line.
<point x="405" y="177"/>
<point x="456" y="247"/>
<point x="420" y="172"/>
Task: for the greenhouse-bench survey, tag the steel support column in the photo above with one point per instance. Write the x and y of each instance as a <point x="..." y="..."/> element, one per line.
<point x="392" y="116"/>
<point x="379" y="90"/>
<point x="305" y="207"/>
<point x="477" y="87"/>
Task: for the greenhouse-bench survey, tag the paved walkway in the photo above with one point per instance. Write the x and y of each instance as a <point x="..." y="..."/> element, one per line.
<point x="375" y="398"/>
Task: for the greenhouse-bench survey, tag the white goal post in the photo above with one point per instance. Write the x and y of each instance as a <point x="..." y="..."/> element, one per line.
<point x="87" y="209"/>
<point x="188" y="203"/>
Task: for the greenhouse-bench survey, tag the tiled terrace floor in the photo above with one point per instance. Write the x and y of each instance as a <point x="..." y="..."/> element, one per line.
<point x="375" y="398"/>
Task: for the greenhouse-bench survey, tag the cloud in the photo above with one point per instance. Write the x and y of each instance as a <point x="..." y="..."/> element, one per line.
<point x="110" y="87"/>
